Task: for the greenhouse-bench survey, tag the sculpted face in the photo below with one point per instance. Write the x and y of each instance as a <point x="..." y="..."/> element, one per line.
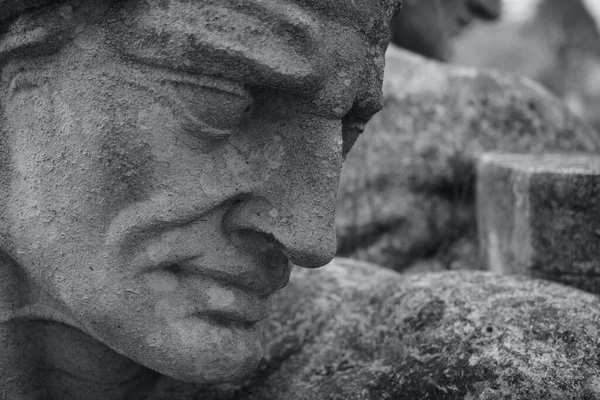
<point x="168" y="162"/>
<point x="428" y="26"/>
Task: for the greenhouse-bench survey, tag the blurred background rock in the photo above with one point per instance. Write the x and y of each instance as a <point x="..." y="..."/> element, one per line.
<point x="428" y="27"/>
<point x="556" y="42"/>
<point x="456" y="86"/>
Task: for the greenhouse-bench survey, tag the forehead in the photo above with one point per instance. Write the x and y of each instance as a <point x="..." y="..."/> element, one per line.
<point x="280" y="43"/>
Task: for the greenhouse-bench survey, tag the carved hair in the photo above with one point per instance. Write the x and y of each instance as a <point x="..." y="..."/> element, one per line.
<point x="12" y="8"/>
<point x="43" y="25"/>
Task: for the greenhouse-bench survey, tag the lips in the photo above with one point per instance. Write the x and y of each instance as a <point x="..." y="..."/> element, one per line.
<point x="261" y="281"/>
<point x="227" y="304"/>
<point x="225" y="295"/>
<point x="200" y="269"/>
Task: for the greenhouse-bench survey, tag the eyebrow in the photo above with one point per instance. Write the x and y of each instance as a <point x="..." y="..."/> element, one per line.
<point x="261" y="42"/>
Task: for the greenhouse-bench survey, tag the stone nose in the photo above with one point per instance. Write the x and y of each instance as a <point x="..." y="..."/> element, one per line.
<point x="304" y="232"/>
<point x="486" y="9"/>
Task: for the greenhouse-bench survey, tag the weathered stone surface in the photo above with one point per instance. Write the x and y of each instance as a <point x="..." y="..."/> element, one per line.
<point x="406" y="191"/>
<point x="540" y="215"/>
<point x="357" y="331"/>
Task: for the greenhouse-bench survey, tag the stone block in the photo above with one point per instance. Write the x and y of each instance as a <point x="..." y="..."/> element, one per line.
<point x="540" y="215"/>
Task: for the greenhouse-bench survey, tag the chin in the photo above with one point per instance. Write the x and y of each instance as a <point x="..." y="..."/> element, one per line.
<point x="204" y="351"/>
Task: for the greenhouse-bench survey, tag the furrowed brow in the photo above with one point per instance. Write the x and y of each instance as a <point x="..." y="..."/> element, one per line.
<point x="265" y="43"/>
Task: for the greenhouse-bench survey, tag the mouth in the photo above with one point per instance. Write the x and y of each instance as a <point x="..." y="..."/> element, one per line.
<point x="260" y="281"/>
<point x="224" y="303"/>
<point x="225" y="320"/>
<point x="233" y="297"/>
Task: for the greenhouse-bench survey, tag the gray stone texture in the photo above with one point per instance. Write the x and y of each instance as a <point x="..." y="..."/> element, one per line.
<point x="163" y="163"/>
<point x="540" y="216"/>
<point x="406" y="192"/>
<point x="357" y="331"/>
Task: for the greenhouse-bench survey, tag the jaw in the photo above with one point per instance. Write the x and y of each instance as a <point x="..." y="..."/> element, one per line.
<point x="204" y="350"/>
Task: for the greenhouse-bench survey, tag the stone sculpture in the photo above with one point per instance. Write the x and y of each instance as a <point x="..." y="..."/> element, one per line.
<point x="162" y="164"/>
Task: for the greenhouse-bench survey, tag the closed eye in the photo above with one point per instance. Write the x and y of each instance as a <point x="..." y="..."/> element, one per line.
<point x="205" y="107"/>
<point x="209" y="113"/>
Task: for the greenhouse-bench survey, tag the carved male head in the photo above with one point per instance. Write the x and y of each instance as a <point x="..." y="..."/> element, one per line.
<point x="163" y="162"/>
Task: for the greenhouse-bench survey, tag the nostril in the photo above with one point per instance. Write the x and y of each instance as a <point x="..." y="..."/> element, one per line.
<point x="274" y="258"/>
<point x="253" y="240"/>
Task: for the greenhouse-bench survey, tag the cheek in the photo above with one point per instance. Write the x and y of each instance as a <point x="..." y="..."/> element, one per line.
<point x="269" y="153"/>
<point x="107" y="138"/>
<point x="75" y="162"/>
<point x="39" y="183"/>
<point x="243" y="162"/>
<point x="316" y="145"/>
